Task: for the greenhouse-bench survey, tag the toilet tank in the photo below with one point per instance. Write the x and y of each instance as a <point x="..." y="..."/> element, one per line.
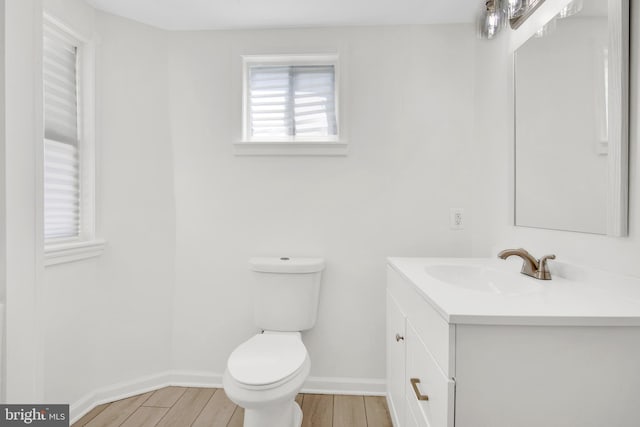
<point x="286" y="292"/>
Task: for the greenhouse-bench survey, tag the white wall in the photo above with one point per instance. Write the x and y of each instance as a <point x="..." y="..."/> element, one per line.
<point x="137" y="201"/>
<point x="408" y="106"/>
<point x="23" y="256"/>
<point x="108" y="319"/>
<point x="3" y="230"/>
<point x="492" y="183"/>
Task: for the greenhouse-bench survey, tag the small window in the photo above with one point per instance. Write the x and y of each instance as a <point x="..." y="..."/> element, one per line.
<point x="61" y="136"/>
<point x="68" y="204"/>
<point x="291" y="99"/>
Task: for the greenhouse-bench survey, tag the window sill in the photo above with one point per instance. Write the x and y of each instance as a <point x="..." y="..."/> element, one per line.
<point x="286" y="148"/>
<point x="69" y="252"/>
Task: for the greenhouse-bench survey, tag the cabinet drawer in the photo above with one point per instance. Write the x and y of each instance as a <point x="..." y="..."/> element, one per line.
<point x="433" y="330"/>
<point x="430" y="382"/>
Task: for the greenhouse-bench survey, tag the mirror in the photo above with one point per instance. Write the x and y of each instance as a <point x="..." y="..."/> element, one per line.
<point x="571" y="115"/>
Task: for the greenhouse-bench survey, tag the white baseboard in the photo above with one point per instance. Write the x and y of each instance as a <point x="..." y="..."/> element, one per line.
<point x="319" y="385"/>
<point x="345" y="385"/>
<point x="196" y="379"/>
<point x="116" y="392"/>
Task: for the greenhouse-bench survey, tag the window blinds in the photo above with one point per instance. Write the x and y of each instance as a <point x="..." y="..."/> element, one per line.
<point x="61" y="166"/>
<point x="286" y="101"/>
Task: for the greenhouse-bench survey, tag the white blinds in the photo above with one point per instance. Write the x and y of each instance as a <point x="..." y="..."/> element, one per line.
<point x="61" y="167"/>
<point x="292" y="101"/>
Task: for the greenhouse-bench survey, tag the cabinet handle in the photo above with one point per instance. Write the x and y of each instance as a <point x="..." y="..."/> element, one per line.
<point x="399" y="338"/>
<point x="414" y="384"/>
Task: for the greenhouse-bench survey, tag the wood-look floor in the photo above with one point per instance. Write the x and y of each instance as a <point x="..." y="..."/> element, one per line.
<point x="209" y="407"/>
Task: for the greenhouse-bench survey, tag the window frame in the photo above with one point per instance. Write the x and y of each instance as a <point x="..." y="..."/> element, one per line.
<point x="291" y="144"/>
<point x="85" y="244"/>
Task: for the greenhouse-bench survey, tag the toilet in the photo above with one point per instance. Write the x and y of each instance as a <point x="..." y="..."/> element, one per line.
<point x="265" y="373"/>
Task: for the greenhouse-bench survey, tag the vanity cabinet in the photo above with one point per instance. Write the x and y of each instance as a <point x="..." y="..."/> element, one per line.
<point x="420" y="390"/>
<point x="491" y="372"/>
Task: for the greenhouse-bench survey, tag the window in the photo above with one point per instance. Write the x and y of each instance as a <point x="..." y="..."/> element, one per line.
<point x="61" y="137"/>
<point x="68" y="147"/>
<point x="291" y="102"/>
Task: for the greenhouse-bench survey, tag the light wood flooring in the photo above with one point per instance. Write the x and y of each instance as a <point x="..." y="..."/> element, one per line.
<point x="209" y="407"/>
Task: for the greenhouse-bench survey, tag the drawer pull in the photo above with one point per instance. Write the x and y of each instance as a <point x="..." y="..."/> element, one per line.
<point x="414" y="384"/>
<point x="399" y="338"/>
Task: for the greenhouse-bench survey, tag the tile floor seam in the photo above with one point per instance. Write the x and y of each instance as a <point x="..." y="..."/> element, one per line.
<point x="204" y="406"/>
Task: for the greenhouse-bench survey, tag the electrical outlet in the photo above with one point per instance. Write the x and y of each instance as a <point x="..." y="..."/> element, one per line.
<point x="456" y="219"/>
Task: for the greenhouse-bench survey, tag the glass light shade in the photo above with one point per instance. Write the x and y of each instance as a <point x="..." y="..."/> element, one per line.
<point x="491" y="19"/>
<point x="571" y="9"/>
<point x="515" y="8"/>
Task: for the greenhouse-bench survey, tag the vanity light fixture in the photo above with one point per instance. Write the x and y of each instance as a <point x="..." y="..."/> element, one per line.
<point x="494" y="14"/>
<point x="516" y="8"/>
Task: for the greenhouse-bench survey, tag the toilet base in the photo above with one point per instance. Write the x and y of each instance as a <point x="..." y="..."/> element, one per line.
<point x="270" y="407"/>
<point x="288" y="414"/>
<point x="297" y="417"/>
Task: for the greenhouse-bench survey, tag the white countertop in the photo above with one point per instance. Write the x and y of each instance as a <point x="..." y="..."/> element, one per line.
<point x="575" y="296"/>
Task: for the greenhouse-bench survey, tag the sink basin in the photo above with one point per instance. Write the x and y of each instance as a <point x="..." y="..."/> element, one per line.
<point x="483" y="279"/>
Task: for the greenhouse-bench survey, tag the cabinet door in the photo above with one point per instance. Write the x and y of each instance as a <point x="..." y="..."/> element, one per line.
<point x="411" y="420"/>
<point x="430" y="394"/>
<point x="395" y="344"/>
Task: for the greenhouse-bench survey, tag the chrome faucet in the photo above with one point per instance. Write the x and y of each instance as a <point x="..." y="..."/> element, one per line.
<point x="536" y="268"/>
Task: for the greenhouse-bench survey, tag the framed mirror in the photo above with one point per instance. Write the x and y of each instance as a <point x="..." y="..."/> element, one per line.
<point x="571" y="120"/>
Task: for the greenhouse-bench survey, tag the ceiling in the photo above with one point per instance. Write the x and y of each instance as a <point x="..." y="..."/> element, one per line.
<point x="232" y="14"/>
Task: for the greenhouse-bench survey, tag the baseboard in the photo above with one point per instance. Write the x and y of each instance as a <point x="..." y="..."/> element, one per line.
<point x="392" y="411"/>
<point x="116" y="392"/>
<point x="196" y="379"/>
<point x="345" y="385"/>
<point x="319" y="385"/>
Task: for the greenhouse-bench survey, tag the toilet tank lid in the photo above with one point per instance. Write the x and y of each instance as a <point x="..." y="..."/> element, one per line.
<point x="286" y="265"/>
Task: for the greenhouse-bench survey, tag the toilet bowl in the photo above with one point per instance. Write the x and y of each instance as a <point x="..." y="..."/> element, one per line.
<point x="264" y="374"/>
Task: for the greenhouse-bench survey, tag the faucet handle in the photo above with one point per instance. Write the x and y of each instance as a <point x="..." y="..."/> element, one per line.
<point x="543" y="260"/>
<point x="543" y="268"/>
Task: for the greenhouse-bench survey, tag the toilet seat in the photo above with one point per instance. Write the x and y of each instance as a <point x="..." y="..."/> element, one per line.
<point x="267" y="359"/>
